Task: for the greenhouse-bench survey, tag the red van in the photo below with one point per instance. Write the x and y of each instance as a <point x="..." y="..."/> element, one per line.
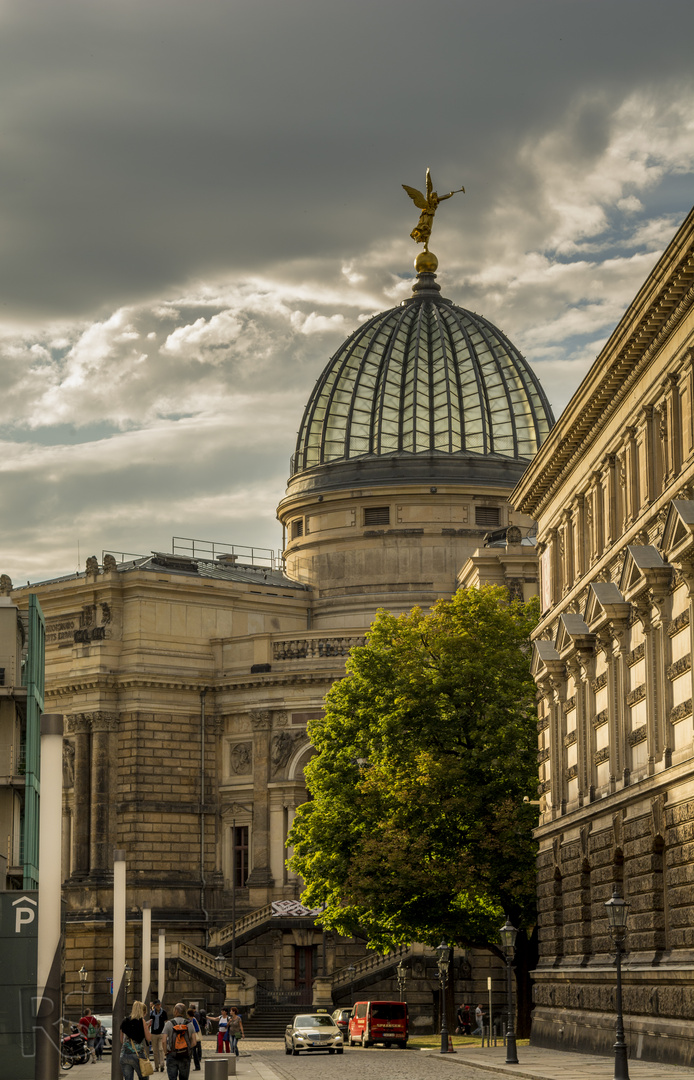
<point x="378" y="1022"/>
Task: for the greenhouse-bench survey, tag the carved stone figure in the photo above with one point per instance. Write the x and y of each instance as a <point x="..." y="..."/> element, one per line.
<point x="241" y="758"/>
<point x="281" y="748"/>
<point x="109" y="563"/>
<point x="92" y="566"/>
<point x="5" y="585"/>
<point x="68" y="764"/>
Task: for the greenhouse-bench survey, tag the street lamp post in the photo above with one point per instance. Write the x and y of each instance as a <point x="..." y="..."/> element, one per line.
<point x="442" y="963"/>
<point x="83" y="983"/>
<point x="401" y="972"/>
<point x="617" y="917"/>
<point x="508" y="943"/>
<point x="220" y="962"/>
<point x="128" y="974"/>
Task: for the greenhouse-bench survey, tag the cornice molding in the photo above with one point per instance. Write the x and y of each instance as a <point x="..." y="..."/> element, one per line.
<point x="658" y="307"/>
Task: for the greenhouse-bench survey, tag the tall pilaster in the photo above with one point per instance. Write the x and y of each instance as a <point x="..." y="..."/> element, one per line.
<point x="102" y="724"/>
<point x="80" y="726"/>
<point x="260" y="878"/>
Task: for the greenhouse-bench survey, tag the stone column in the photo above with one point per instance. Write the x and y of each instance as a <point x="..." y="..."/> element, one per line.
<point x="260" y="879"/>
<point x="99" y="848"/>
<point x="80" y="726"/>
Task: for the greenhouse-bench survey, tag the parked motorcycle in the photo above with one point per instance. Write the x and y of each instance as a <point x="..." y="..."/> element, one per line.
<point x="73" y="1050"/>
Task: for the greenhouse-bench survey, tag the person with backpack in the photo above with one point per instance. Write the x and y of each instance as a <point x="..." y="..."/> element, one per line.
<point x="180" y="1040"/>
<point x="89" y="1029"/>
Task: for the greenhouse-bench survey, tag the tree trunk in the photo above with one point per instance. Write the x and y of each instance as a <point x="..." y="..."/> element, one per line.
<point x="526" y="962"/>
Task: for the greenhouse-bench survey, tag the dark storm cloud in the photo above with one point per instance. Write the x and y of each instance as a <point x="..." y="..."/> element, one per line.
<point x="145" y="144"/>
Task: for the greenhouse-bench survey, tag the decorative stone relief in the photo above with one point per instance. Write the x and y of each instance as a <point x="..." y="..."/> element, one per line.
<point x="261" y="719"/>
<point x="600" y="718"/>
<point x="5" y="585"/>
<point x="282" y="746"/>
<point x="639" y="735"/>
<point x="637" y="694"/>
<point x="679" y="667"/>
<point x="601" y="755"/>
<point x="241" y="759"/>
<point x="636" y="654"/>
<point x="680" y="711"/>
<point x="570" y="738"/>
<point x="679" y="623"/>
<point x="109" y="564"/>
<point x="658" y="817"/>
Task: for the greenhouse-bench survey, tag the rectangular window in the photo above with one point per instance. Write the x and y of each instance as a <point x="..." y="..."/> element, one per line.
<point x="239" y="841"/>
<point x="297" y="528"/>
<point x="487" y="515"/>
<point x="377" y="515"/>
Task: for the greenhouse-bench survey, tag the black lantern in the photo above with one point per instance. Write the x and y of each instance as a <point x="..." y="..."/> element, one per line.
<point x="401" y="972"/>
<point x="508" y="935"/>
<point x="220" y="962"/>
<point x="617" y="918"/>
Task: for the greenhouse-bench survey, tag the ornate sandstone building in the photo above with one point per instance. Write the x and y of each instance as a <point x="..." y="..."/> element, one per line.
<point x="187" y="679"/>
<point x="612" y="490"/>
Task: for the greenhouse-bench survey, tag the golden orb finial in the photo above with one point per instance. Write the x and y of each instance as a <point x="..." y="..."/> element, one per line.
<point x="426" y="262"/>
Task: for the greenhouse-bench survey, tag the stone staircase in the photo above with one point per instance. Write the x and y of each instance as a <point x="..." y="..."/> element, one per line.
<point x="269" y="1021"/>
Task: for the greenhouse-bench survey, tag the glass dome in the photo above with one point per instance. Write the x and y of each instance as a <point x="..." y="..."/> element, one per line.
<point x="425" y="377"/>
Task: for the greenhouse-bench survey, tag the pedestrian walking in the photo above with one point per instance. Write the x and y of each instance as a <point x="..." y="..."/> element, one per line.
<point x="235" y="1030"/>
<point x="197" y="1049"/>
<point x="157" y="1019"/>
<point x="135" y="1039"/>
<point x="479" y="1020"/>
<point x="89" y="1030"/>
<point x="180" y="1040"/>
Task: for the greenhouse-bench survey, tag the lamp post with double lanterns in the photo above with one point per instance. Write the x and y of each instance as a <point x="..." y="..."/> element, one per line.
<point x="442" y="963"/>
<point x="401" y="972"/>
<point x="508" y="943"/>
<point x="617" y="918"/>
<point x="83" y="973"/>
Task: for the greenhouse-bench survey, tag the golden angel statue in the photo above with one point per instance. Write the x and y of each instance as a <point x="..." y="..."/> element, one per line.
<point x="427" y="204"/>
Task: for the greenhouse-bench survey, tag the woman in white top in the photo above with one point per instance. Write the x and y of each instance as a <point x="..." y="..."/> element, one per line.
<point x="222" y="1031"/>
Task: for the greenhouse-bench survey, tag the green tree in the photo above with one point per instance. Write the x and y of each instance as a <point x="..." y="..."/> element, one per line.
<point x="416" y="827"/>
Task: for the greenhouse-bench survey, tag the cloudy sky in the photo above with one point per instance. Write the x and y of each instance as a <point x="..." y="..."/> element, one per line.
<point x="199" y="199"/>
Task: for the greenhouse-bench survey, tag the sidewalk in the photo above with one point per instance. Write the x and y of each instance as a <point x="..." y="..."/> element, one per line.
<point x="536" y="1063"/>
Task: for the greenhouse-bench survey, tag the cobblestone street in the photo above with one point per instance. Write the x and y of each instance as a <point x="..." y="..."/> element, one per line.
<point x="266" y="1060"/>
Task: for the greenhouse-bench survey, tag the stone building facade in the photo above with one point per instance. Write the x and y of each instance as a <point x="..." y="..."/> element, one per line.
<point x="187" y="680"/>
<point x="612" y="490"/>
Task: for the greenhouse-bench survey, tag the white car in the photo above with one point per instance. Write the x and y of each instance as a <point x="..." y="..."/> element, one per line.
<point x="313" y="1031"/>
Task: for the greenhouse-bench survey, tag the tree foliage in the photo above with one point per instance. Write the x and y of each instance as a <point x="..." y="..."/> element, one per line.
<point x="416" y="826"/>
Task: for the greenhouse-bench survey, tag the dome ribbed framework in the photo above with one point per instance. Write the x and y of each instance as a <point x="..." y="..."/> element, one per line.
<point x="425" y="377"/>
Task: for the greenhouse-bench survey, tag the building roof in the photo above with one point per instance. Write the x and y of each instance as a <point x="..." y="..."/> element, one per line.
<point x="424" y="378"/>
